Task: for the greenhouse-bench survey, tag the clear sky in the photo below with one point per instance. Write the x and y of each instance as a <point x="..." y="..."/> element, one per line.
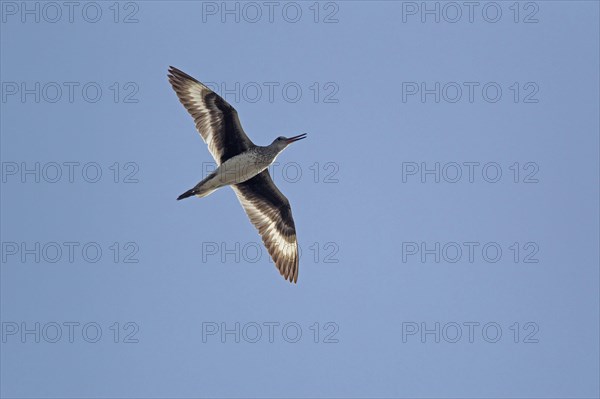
<point x="446" y="201"/>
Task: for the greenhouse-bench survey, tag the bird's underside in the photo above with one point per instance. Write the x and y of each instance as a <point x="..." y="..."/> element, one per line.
<point x="268" y="209"/>
<point x="235" y="170"/>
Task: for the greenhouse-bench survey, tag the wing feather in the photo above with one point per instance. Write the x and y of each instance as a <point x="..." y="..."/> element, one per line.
<point x="216" y="120"/>
<point x="270" y="212"/>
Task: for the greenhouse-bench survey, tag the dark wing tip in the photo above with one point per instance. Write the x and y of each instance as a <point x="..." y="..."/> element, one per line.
<point x="294" y="271"/>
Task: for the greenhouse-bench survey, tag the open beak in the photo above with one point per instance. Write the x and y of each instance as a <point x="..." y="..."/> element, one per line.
<point x="296" y="138"/>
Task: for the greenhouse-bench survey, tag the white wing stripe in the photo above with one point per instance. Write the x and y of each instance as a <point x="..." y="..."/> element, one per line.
<point x="282" y="248"/>
<point x="215" y="119"/>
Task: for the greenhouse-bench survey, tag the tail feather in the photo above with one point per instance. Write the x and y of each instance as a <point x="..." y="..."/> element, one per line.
<point x="187" y="194"/>
<point x="202" y="189"/>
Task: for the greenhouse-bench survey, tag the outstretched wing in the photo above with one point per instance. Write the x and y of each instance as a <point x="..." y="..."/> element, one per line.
<point x="270" y="212"/>
<point x="216" y="120"/>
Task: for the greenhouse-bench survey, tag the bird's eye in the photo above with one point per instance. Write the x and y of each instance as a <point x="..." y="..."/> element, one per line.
<point x="280" y="138"/>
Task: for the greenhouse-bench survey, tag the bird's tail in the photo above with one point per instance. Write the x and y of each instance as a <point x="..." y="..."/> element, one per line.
<point x="201" y="189"/>
<point x="188" y="193"/>
<point x="197" y="191"/>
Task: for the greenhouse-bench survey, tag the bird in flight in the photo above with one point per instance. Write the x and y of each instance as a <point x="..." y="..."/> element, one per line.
<point x="243" y="166"/>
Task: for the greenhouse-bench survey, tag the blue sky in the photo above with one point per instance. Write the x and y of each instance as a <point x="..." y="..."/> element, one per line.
<point x="446" y="201"/>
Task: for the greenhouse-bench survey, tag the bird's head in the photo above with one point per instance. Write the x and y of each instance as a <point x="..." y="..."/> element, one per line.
<point x="281" y="142"/>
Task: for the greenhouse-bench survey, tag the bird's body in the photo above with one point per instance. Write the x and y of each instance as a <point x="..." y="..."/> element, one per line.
<point x="236" y="169"/>
<point x="243" y="166"/>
